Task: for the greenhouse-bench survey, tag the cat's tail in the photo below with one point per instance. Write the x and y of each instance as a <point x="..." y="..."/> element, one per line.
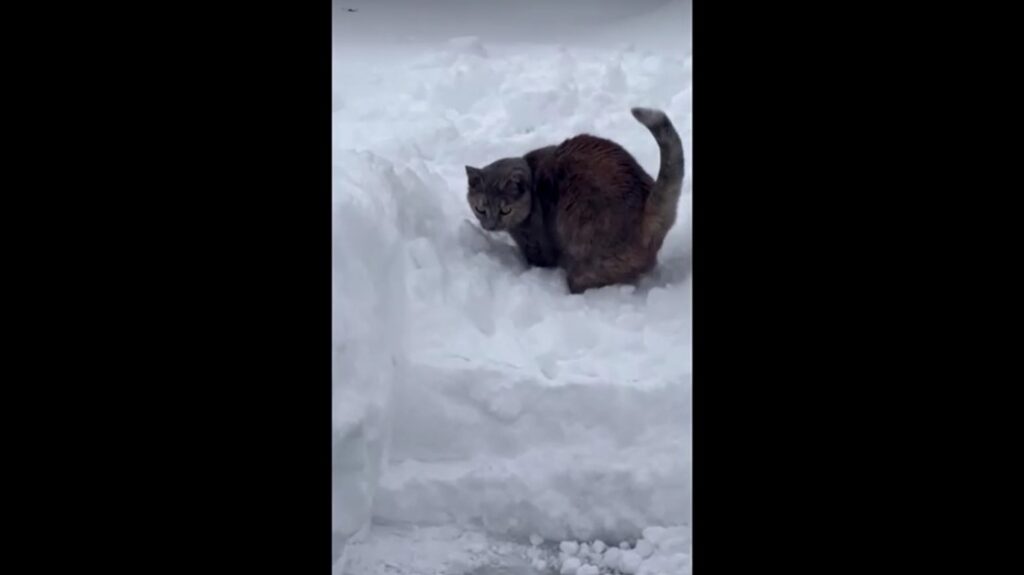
<point x="660" y="211"/>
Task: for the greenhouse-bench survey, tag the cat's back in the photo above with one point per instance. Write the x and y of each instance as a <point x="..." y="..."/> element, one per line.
<point x="598" y="191"/>
<point x="596" y="168"/>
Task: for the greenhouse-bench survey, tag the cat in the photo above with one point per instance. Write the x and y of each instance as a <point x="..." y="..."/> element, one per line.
<point x="585" y="205"/>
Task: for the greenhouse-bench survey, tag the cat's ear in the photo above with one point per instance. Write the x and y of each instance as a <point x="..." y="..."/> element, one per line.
<point x="475" y="176"/>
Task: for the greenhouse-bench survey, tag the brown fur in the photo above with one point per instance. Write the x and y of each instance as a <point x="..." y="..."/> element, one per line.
<point x="585" y="205"/>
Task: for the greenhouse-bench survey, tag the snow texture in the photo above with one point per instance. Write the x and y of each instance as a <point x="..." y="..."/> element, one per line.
<point x="486" y="421"/>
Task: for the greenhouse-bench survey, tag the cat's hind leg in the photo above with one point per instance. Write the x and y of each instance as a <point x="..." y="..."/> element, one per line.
<point x="601" y="270"/>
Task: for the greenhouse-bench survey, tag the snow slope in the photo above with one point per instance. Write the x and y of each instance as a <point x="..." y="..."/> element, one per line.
<point x="476" y="402"/>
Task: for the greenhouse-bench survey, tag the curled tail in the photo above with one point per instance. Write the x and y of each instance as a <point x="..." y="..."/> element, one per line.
<point x="660" y="211"/>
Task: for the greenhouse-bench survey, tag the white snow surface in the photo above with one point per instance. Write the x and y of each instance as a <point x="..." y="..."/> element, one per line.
<point x="483" y="416"/>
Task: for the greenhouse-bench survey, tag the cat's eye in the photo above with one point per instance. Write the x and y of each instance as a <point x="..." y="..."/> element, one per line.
<point x="479" y="210"/>
<point x="506" y="211"/>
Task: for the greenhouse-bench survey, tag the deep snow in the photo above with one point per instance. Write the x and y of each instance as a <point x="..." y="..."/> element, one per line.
<point x="476" y="402"/>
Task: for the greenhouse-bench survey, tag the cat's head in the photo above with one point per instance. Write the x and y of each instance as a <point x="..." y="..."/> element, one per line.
<point x="500" y="194"/>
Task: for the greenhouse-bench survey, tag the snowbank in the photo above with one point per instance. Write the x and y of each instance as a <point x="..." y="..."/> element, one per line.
<point x="368" y="323"/>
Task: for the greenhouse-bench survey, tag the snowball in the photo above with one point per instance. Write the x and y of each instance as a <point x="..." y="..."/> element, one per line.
<point x="571" y="566"/>
<point x="569" y="547"/>
<point x="630" y="562"/>
<point x="612" y="558"/>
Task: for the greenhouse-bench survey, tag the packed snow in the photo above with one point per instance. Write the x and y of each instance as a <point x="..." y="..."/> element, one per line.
<point x="486" y="421"/>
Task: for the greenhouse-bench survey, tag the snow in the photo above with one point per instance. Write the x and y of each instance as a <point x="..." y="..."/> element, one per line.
<point x="486" y="421"/>
<point x="630" y="562"/>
